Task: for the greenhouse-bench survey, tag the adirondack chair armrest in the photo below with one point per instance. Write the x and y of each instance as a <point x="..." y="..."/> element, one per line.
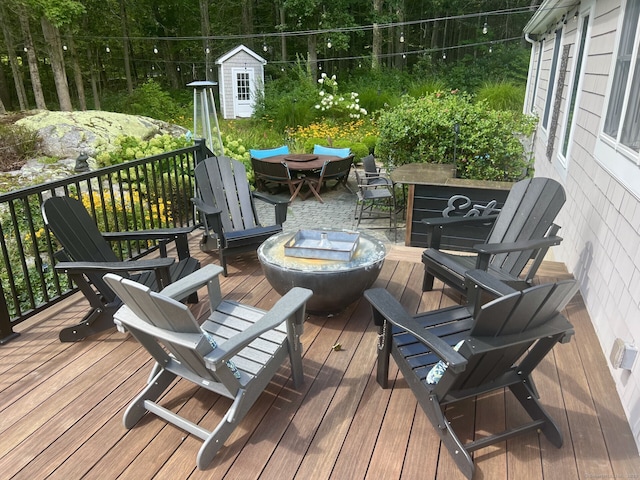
<point x="192" y="283"/>
<point x="391" y="310"/>
<point x="279" y="204"/>
<point x="205" y="208"/>
<point x="129" y="266"/>
<point x="290" y="304"/>
<point x="481" y="279"/>
<point x="436" y="225"/>
<point x="485" y="250"/>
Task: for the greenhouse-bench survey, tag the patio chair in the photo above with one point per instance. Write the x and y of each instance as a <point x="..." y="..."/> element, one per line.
<point x="337" y="152"/>
<point x="268" y="152"/>
<point x="456" y="353"/>
<point x="373" y="174"/>
<point x="522" y="231"/>
<point x="86" y="256"/>
<point x="235" y="353"/>
<point x="375" y="202"/>
<point x="337" y="170"/>
<point x="269" y="173"/>
<point x="226" y="208"/>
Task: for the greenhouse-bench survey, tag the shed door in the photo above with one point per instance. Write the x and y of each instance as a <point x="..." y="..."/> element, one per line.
<point x="243" y="91"/>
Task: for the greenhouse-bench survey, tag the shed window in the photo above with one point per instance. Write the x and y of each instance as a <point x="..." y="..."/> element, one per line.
<point x="622" y="122"/>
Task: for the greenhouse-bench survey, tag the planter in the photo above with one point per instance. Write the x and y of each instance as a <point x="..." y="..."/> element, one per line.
<point x="433" y="191"/>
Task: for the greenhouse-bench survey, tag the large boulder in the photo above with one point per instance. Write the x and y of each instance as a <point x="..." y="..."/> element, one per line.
<point x="68" y="134"/>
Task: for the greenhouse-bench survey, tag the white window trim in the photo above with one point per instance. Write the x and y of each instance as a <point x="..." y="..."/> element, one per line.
<point x="617" y="159"/>
<point x="563" y="161"/>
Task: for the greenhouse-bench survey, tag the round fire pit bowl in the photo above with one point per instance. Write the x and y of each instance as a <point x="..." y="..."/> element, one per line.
<point x="335" y="283"/>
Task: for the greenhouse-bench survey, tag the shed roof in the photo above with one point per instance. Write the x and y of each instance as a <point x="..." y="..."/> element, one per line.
<point x="548" y="14"/>
<point x="240" y="48"/>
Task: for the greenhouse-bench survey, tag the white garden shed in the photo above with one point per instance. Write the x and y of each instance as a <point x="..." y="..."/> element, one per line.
<point x="241" y="79"/>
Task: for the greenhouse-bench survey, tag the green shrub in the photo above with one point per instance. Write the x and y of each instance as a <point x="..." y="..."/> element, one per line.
<point x="149" y="99"/>
<point x="422" y="130"/>
<point x="502" y="95"/>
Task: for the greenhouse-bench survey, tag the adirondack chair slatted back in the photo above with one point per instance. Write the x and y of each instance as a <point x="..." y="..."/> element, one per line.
<point x="187" y="345"/>
<point x="509" y="325"/>
<point x="78" y="235"/>
<point x="76" y="231"/>
<point x="529" y="212"/>
<point x="222" y="182"/>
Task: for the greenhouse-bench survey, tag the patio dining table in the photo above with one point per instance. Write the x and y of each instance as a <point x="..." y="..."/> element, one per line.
<point x="302" y="162"/>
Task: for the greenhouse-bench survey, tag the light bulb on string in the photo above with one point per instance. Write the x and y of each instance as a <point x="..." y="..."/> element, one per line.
<point x="26" y="49"/>
<point x="155" y="49"/>
<point x="108" y="50"/>
<point x="329" y="43"/>
<point x="485" y="28"/>
<point x="264" y="47"/>
<point x="207" y="50"/>
<point x="178" y="68"/>
<point x="401" y="37"/>
<point x="64" y="47"/>
<point x="444" y="55"/>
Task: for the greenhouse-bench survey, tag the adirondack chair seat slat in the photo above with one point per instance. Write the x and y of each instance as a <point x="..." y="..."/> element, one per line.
<point x="182" y="348"/>
<point x="503" y="342"/>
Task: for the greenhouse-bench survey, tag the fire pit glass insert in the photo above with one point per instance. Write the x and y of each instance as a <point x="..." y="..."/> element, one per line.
<point x="324" y="245"/>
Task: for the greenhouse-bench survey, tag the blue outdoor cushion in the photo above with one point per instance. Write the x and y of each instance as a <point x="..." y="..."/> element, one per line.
<point x="269" y="152"/>
<point x="338" y="152"/>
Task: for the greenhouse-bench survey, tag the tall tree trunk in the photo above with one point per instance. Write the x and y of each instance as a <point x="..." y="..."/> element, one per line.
<point x="247" y="21"/>
<point x="2" y="109"/>
<point x="205" y="30"/>
<point x="126" y="46"/>
<point x="4" y="90"/>
<point x="77" y="74"/>
<point x="94" y="81"/>
<point x="376" y="49"/>
<point x="32" y="58"/>
<point x="312" y="59"/>
<point x="283" y="38"/>
<point x="15" y="68"/>
<point x="52" y="37"/>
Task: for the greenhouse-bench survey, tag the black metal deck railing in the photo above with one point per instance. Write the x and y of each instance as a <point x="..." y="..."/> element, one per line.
<point x="152" y="192"/>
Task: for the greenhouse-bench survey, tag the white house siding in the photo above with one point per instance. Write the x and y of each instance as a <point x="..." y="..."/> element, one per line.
<point x="601" y="218"/>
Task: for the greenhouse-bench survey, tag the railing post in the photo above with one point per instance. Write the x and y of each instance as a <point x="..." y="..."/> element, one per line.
<point x="6" y="328"/>
<point x="201" y="150"/>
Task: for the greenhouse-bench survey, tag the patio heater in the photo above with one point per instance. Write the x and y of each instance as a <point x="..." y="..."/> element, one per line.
<point x="204" y="112"/>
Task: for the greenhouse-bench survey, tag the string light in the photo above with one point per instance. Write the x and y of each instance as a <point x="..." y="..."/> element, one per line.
<point x="485" y="28"/>
<point x="264" y="47"/>
<point x="108" y="50"/>
<point x="155" y="49"/>
<point x="207" y="50"/>
<point x="329" y="43"/>
<point x="64" y="47"/>
<point x="401" y="37"/>
<point x="444" y="55"/>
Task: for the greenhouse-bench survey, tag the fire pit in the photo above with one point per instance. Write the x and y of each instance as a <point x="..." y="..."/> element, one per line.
<point x="336" y="275"/>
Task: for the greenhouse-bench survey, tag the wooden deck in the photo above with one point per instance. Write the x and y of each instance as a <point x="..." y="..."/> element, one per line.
<point x="61" y="405"/>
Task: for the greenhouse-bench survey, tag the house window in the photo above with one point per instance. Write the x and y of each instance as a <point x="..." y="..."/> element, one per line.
<point x="622" y="122"/>
<point x="574" y="87"/>
<point x="535" y="83"/>
<point x="552" y="77"/>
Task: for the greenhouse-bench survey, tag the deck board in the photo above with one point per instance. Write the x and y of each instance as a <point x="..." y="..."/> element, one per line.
<point x="61" y="405"/>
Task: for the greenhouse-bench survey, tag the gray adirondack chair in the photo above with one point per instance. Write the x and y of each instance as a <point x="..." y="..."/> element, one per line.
<point x="86" y="256"/>
<point x="521" y="232"/>
<point x="227" y="211"/>
<point x="235" y="353"/>
<point x="499" y="345"/>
